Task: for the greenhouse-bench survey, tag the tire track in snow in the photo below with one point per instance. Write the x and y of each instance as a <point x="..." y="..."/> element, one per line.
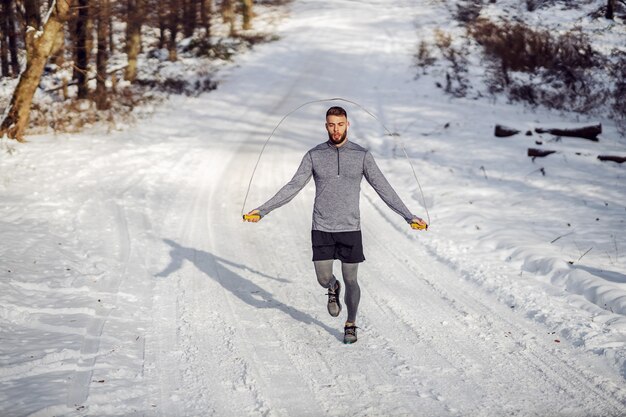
<point x="144" y="209"/>
<point x="79" y="387"/>
<point x="163" y="352"/>
<point x="485" y="334"/>
<point x="259" y="313"/>
<point x="200" y="368"/>
<point x="129" y="259"/>
<point x="123" y="288"/>
<point x="213" y="313"/>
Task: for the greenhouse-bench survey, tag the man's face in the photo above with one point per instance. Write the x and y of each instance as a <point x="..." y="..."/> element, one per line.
<point x="337" y="128"/>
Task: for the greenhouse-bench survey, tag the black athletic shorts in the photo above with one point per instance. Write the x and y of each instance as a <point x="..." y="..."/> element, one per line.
<point x="345" y="246"/>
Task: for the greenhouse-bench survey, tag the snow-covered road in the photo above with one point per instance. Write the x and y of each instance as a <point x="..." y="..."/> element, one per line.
<point x="158" y="300"/>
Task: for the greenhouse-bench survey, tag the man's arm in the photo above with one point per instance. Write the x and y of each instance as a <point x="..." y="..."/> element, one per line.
<point x="288" y="191"/>
<point x="377" y="180"/>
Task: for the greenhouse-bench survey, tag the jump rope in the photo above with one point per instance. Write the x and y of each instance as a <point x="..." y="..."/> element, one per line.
<point x="388" y="133"/>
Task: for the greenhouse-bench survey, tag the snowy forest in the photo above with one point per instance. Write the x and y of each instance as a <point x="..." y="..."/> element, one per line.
<point x="100" y="42"/>
<point x="137" y="138"/>
<point x="68" y="46"/>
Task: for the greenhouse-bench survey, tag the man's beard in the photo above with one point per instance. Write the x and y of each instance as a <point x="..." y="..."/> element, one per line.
<point x="341" y="140"/>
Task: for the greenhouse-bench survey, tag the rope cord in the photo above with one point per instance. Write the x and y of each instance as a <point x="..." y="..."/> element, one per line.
<point x="389" y="133"/>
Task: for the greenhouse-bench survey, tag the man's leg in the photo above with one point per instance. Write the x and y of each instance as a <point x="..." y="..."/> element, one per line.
<point x="353" y="291"/>
<point x="324" y="272"/>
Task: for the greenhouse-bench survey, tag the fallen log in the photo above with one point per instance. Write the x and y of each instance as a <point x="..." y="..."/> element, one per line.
<point x="618" y="159"/>
<point x="538" y="153"/>
<point x="584" y="132"/>
<point x="503" y="131"/>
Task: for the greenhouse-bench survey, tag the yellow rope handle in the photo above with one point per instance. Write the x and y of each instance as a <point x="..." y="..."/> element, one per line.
<point x="419" y="226"/>
<point x="251" y="217"/>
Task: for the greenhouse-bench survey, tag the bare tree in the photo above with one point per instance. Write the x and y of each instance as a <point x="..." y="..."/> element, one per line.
<point x="81" y="51"/>
<point x="610" y="9"/>
<point x="32" y="18"/>
<point x="162" y="15"/>
<point x="104" y="14"/>
<point x="247" y="13"/>
<point x="190" y="8"/>
<point x="111" y="38"/>
<point x="173" y="29"/>
<point x="206" y="10"/>
<point x="39" y="46"/>
<point x="4" y="43"/>
<point x="57" y="56"/>
<point x="228" y="15"/>
<point x="9" y="16"/>
<point x="135" y="10"/>
<point x="32" y="14"/>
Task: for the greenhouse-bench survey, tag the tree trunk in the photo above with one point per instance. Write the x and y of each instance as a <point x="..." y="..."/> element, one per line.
<point x="80" y="50"/>
<point x="206" y="10"/>
<point x="586" y="132"/>
<point x="4" y="48"/>
<point x="111" y="40"/>
<point x="58" y="51"/>
<point x="247" y="14"/>
<point x="17" y="114"/>
<point x="104" y="14"/>
<point x="90" y="27"/>
<point x="228" y="15"/>
<point x="10" y="16"/>
<point x="504" y="131"/>
<point x="32" y="17"/>
<point x="614" y="158"/>
<point x="189" y="17"/>
<point x="162" y="11"/>
<point x="610" y="8"/>
<point x="538" y="153"/>
<point x="133" y="37"/>
<point x="32" y="14"/>
<point x="173" y="27"/>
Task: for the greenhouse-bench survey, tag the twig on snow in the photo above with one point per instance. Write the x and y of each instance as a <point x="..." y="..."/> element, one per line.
<point x="566" y="234"/>
<point x="581" y="256"/>
<point x="482" y="168"/>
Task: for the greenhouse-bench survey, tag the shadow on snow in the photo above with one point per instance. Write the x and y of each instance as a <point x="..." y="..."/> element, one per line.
<point x="247" y="291"/>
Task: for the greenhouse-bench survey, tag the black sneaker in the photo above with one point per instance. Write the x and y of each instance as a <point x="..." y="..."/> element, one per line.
<point x="349" y="334"/>
<point x="334" y="305"/>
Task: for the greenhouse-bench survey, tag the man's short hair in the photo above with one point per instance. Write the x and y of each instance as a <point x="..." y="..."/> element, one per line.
<point x="336" y="111"/>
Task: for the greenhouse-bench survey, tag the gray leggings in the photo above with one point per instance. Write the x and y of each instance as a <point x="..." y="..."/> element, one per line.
<point x="352" y="295"/>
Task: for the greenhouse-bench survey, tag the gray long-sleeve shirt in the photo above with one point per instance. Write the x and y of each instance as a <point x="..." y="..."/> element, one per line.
<point x="337" y="172"/>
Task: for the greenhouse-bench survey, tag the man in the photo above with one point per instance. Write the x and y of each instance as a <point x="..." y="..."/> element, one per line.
<point x="337" y="167"/>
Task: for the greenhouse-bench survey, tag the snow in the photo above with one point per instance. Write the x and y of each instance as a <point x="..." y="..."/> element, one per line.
<point x="130" y="286"/>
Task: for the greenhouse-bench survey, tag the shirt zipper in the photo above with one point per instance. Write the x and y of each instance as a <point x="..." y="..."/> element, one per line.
<point x="337" y="161"/>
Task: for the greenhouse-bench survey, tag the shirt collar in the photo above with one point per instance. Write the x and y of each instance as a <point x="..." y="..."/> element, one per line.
<point x="331" y="144"/>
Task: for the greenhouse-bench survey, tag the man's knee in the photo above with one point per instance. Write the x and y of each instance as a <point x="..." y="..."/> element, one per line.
<point x="324" y="272"/>
<point x="325" y="280"/>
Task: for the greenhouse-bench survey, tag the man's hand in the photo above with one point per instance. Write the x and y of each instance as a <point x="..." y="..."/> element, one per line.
<point x="418" y="224"/>
<point x="254" y="216"/>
